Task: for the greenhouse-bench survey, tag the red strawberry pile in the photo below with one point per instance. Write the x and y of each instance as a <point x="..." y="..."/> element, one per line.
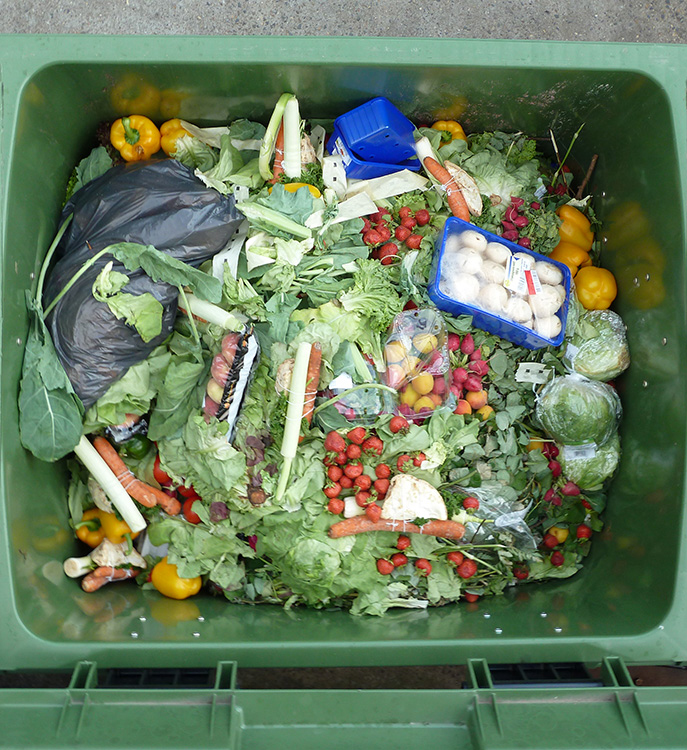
<point x="378" y="228"/>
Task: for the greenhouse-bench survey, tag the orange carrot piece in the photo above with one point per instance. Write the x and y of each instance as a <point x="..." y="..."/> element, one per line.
<point x="312" y="380"/>
<point x="278" y="166"/>
<point x="454" y="196"/>
<point x="140" y="491"/>
<point x="361" y="524"/>
<point x="106" y="574"/>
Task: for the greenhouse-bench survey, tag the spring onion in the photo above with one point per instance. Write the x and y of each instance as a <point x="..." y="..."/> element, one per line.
<point x="210" y="313"/>
<point x="294" y="415"/>
<point x="292" y="139"/>
<point x="112" y="487"/>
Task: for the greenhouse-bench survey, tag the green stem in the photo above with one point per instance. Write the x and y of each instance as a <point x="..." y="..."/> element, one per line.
<point x="192" y="323"/>
<point x="283" y="479"/>
<point x="74" y="279"/>
<point x="355" y="388"/>
<point x="131" y="135"/>
<point x="48" y="257"/>
<point x="567" y="153"/>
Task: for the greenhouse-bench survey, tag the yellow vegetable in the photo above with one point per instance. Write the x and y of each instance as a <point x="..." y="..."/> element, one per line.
<point x="451" y="126"/>
<point x="170" y="132"/>
<point x="168" y="582"/>
<point x="136" y="137"/>
<point x="560" y="533"/>
<point x="596" y="288"/>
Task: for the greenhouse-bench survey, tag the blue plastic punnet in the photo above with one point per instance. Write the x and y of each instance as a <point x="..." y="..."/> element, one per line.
<point x="377" y="131"/>
<point x="489" y="321"/>
<point x="359" y="169"/>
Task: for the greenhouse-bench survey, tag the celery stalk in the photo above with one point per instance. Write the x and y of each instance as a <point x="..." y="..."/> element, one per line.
<point x="292" y="139"/>
<point x="267" y="145"/>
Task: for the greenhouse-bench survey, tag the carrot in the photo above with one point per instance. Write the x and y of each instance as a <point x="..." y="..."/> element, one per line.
<point x="361" y="524"/>
<point x="106" y="574"/>
<point x="454" y="196"/>
<point x="312" y="380"/>
<point x="144" y="493"/>
<point x="278" y="166"/>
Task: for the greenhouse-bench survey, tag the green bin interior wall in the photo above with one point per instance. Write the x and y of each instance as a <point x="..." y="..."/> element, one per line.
<point x="628" y="598"/>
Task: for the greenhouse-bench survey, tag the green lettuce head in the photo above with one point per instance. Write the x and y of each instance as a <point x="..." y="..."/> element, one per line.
<point x="574" y="410"/>
<point x="598" y="348"/>
<point x="591" y="472"/>
<point x="310" y="568"/>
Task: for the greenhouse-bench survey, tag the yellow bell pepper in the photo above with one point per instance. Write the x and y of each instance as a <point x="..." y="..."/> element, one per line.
<point x="115" y="529"/>
<point x="573" y="256"/>
<point x="90" y="530"/>
<point x="575" y="227"/>
<point x="168" y="582"/>
<point x="596" y="288"/>
<point x="560" y="533"/>
<point x="170" y="132"/>
<point x="134" y="94"/>
<point x="451" y="126"/>
<point x="135" y="137"/>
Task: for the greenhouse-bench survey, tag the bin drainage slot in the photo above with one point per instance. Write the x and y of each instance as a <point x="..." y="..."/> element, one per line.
<point x="568" y="674"/>
<point x="156" y="678"/>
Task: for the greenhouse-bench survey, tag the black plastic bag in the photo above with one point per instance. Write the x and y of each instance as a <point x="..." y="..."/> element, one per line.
<point x="159" y="203"/>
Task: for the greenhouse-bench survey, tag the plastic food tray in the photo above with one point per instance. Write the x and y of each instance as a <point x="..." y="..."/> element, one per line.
<point x="358" y="169"/>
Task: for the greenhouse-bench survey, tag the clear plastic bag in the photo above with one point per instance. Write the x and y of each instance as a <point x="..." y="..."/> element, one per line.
<point x="598" y="348"/>
<point x="418" y="366"/>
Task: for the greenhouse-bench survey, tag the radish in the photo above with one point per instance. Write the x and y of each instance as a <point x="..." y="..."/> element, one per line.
<point x="467" y="345"/>
<point x="453" y="342"/>
<point x="460" y="375"/>
<point x="473" y="383"/>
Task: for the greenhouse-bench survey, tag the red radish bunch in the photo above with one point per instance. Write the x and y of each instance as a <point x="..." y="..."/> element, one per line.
<point x="514" y="221"/>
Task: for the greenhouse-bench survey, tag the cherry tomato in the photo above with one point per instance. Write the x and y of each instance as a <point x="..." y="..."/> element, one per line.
<point x="187" y="491"/>
<point x="189" y="515"/>
<point x="161" y="476"/>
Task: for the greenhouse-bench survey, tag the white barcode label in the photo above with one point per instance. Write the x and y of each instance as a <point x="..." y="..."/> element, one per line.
<point x="533" y="372"/>
<point x="571" y="351"/>
<point x="514" y="280"/>
<point x="571" y="452"/>
<point x="341" y="149"/>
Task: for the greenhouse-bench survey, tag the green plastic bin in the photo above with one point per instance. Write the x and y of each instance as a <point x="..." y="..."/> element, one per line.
<point x="630" y="600"/>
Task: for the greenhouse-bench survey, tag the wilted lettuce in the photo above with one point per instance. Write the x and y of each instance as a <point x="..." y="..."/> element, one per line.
<point x="575" y="410"/>
<point x="598" y="348"/>
<point x="588" y="473"/>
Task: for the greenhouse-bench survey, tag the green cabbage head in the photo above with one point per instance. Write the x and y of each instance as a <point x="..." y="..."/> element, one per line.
<point x="591" y="472"/>
<point x="598" y="348"/>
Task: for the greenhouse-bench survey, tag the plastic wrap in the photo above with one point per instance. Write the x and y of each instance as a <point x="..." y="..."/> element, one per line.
<point x="418" y="366"/>
<point x="589" y="469"/>
<point x="598" y="349"/>
<point x="574" y="410"/>
<point x="157" y="203"/>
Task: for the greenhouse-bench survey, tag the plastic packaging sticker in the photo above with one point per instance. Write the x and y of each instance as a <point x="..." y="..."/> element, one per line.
<point x="515" y="280"/>
<point x="571" y="452"/>
<point x="532" y="283"/>
<point x="533" y="372"/>
<point x="571" y="351"/>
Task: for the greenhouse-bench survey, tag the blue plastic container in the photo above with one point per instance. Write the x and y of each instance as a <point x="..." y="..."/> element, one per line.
<point x="359" y="169"/>
<point x="488" y="321"/>
<point x="378" y="131"/>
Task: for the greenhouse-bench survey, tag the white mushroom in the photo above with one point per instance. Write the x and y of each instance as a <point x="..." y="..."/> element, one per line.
<point x="467" y="260"/>
<point x="409" y="498"/>
<point x="493" y="273"/>
<point x="493" y="297"/>
<point x="497" y="252"/>
<point x="460" y="286"/>
<point x="527" y="260"/>
<point x="452" y="243"/>
<point x="548" y="273"/>
<point x="560" y="291"/>
<point x="545" y="303"/>
<point x="518" y="310"/>
<point x="474" y="239"/>
<point x="549" y="327"/>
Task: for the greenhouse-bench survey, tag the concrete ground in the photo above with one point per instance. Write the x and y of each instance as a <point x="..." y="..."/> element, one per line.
<point x="652" y="21"/>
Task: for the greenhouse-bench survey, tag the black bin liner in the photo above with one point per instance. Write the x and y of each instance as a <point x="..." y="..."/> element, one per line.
<point x="158" y="203"/>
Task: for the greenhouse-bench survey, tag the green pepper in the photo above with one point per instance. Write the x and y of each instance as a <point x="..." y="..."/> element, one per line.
<point x="136" y="446"/>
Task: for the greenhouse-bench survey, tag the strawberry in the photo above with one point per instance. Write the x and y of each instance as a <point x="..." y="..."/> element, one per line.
<point x="353" y="470"/>
<point x="373" y="446"/>
<point x="557" y="559"/>
<point x="373" y="512"/>
<point x="422" y="216"/>
<point x="471" y="597"/>
<point x="382" y="471"/>
<point x="401" y="461"/>
<point x="354" y="451"/>
<point x="346" y="482"/>
<point x="521" y="572"/>
<point x="364" y="482"/>
<point x="471" y="503"/>
<point x="467" y="568"/>
<point x="334" y="443"/>
<point x="455" y="557"/>
<point x="334" y="473"/>
<point x="409" y="222"/>
<point x="403" y="542"/>
<point x="398" y="559"/>
<point x="583" y="531"/>
<point x="550" y="541"/>
<point x="332" y="490"/>
<point x="341" y="458"/>
<point x="381" y="486"/>
<point x="556" y="468"/>
<point x="387" y="253"/>
<point x="404" y="213"/>
<point x="419" y="458"/>
<point x="357" y="435"/>
<point x="385" y="567"/>
<point x="413" y="242"/>
<point x="424" y="564"/>
<point x="363" y="498"/>
<point x="399" y="424"/>
<point x="336" y="506"/>
<point x="402" y="233"/>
